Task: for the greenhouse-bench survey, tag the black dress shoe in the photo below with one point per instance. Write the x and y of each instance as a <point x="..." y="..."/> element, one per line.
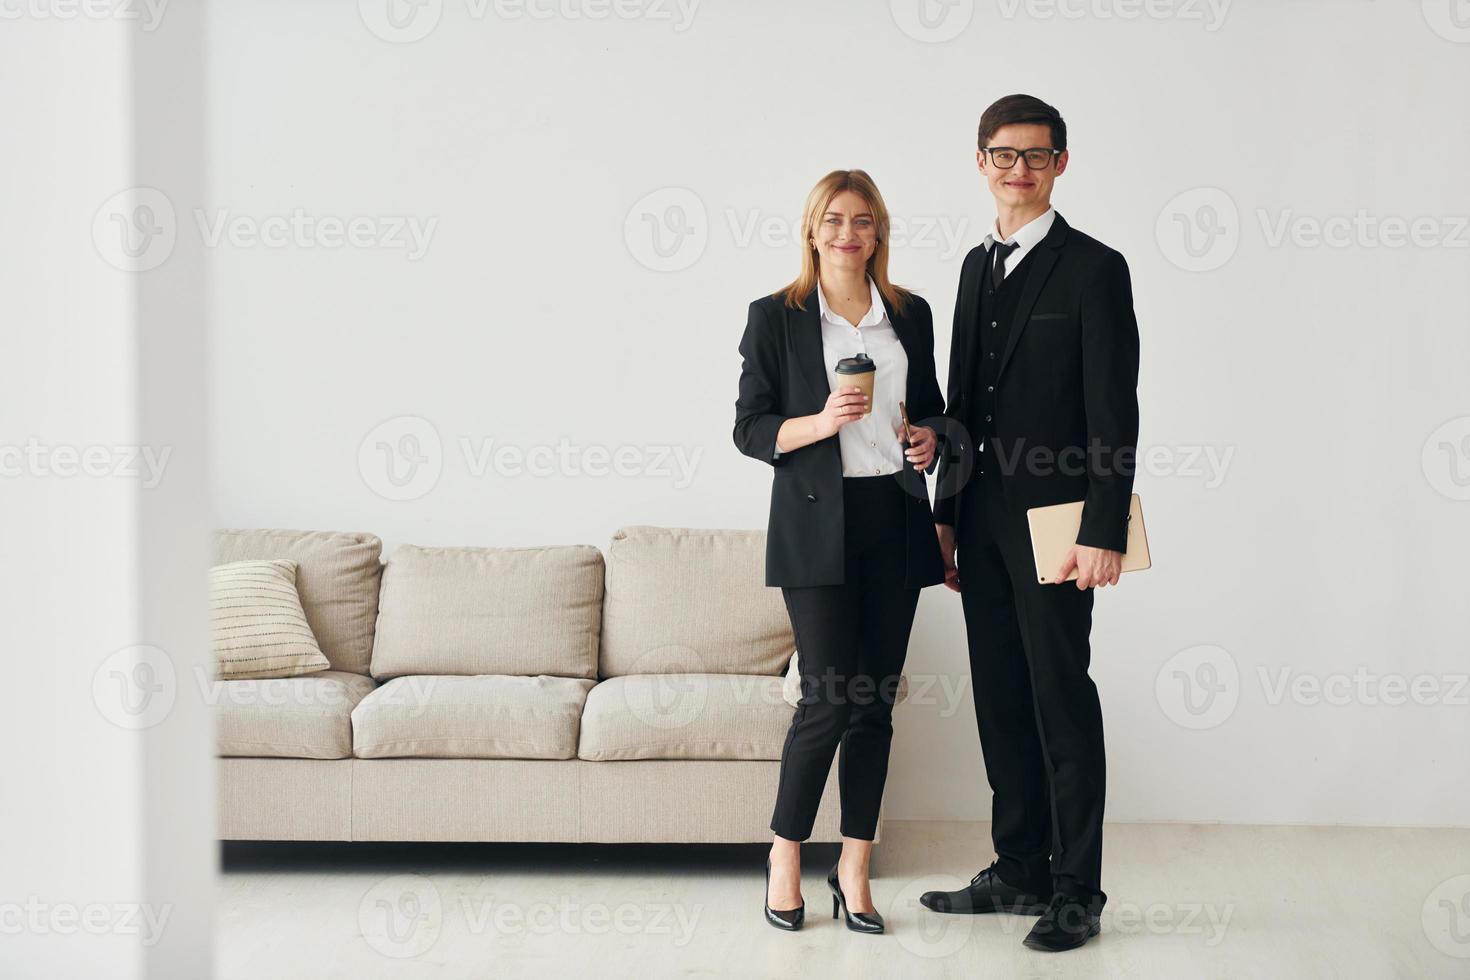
<point x="1066" y="924"/>
<point x="866" y="922"/>
<point x="985" y="893"/>
<point x="788" y="919"/>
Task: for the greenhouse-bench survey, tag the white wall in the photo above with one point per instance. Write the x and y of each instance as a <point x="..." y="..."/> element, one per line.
<point x="106" y="831"/>
<point x="545" y="148"/>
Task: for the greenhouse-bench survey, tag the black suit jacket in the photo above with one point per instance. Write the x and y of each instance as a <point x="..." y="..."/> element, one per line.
<point x="783" y="375"/>
<point x="1066" y="412"/>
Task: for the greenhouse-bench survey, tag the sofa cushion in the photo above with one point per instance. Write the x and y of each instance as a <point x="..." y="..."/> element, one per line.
<point x="487" y="717"/>
<point x="685" y="716"/>
<point x="337" y="578"/>
<point x="257" y="626"/>
<point x="691" y="602"/>
<point x="308" y="717"/>
<point x="473" y="611"/>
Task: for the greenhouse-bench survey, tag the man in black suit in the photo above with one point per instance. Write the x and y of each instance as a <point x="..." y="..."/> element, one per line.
<point x="1043" y="374"/>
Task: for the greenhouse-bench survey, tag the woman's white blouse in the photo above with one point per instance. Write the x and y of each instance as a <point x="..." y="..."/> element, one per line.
<point x="871" y="446"/>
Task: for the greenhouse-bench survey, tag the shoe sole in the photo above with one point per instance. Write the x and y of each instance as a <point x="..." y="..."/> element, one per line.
<point x="1012" y="909"/>
<point x="1041" y="948"/>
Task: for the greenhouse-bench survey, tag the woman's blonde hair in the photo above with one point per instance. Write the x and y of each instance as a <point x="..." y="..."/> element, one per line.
<point x="827" y="188"/>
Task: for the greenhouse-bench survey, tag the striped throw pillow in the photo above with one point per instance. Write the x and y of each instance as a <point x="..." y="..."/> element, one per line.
<point x="257" y="623"/>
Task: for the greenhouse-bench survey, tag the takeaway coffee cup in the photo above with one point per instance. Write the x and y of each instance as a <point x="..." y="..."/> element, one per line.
<point x="859" y="370"/>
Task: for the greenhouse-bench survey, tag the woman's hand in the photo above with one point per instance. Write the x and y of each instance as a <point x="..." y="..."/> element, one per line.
<point x="844" y="405"/>
<point x="922" y="441"/>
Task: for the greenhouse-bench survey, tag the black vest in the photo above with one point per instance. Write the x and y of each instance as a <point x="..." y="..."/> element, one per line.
<point x="997" y="309"/>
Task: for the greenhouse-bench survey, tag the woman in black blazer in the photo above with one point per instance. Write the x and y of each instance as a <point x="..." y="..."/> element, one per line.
<point x="851" y="538"/>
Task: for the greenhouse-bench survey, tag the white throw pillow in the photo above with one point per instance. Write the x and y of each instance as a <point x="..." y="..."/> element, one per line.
<point x="256" y="622"/>
<point x="791" y="686"/>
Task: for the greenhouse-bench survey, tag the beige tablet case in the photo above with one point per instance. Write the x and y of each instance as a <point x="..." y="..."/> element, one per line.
<point x="1054" y="530"/>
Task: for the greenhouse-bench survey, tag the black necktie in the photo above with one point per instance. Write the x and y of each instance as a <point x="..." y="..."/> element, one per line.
<point x="998" y="268"/>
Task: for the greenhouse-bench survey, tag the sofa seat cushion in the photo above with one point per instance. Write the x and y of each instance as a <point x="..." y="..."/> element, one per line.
<point x="490" y="716"/>
<point x="685" y="716"/>
<point x="307" y="717"/>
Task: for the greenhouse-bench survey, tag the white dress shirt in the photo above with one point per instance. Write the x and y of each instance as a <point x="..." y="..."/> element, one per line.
<point x="871" y="445"/>
<point x="1028" y="236"/>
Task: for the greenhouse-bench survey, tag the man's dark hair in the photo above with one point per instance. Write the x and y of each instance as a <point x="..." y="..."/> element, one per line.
<point x="1015" y="109"/>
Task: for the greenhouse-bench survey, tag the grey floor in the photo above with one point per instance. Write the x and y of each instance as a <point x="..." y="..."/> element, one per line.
<point x="1184" y="901"/>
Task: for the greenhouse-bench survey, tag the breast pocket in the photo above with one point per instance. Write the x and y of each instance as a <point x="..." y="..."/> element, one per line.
<point x="1045" y="317"/>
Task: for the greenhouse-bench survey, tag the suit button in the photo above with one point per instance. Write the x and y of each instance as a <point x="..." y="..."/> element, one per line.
<point x="987" y="418"/>
<point x="992" y="355"/>
<point x="990" y="387"/>
<point x="812" y="497"/>
<point x="992" y="324"/>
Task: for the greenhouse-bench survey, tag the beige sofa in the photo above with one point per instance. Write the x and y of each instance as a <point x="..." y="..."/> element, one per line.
<point x="517" y="694"/>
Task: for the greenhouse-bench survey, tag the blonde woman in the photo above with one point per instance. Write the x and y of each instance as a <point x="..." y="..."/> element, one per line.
<point x="851" y="537"/>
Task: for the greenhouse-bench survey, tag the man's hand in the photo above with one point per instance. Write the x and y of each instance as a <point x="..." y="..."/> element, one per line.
<point x="946" y="551"/>
<point x="1095" y="566"/>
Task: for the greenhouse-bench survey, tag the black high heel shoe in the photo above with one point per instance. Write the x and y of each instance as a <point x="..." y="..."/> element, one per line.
<point x="788" y="919"/>
<point x="866" y="922"/>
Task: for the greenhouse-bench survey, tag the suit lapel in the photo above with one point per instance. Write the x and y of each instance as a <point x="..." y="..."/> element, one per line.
<point x="900" y="328"/>
<point x="1045" y="257"/>
<point x="806" y="329"/>
<point x="969" y="314"/>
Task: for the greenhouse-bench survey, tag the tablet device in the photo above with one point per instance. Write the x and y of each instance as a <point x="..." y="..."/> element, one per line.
<point x="1054" y="530"/>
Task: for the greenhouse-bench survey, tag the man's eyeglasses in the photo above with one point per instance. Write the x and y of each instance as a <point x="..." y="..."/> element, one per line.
<point x="1037" y="157"/>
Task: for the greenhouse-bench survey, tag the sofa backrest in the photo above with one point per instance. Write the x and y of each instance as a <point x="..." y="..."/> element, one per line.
<point x="682" y="600"/>
<point x="519" y="611"/>
<point x="337" y="578"/>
